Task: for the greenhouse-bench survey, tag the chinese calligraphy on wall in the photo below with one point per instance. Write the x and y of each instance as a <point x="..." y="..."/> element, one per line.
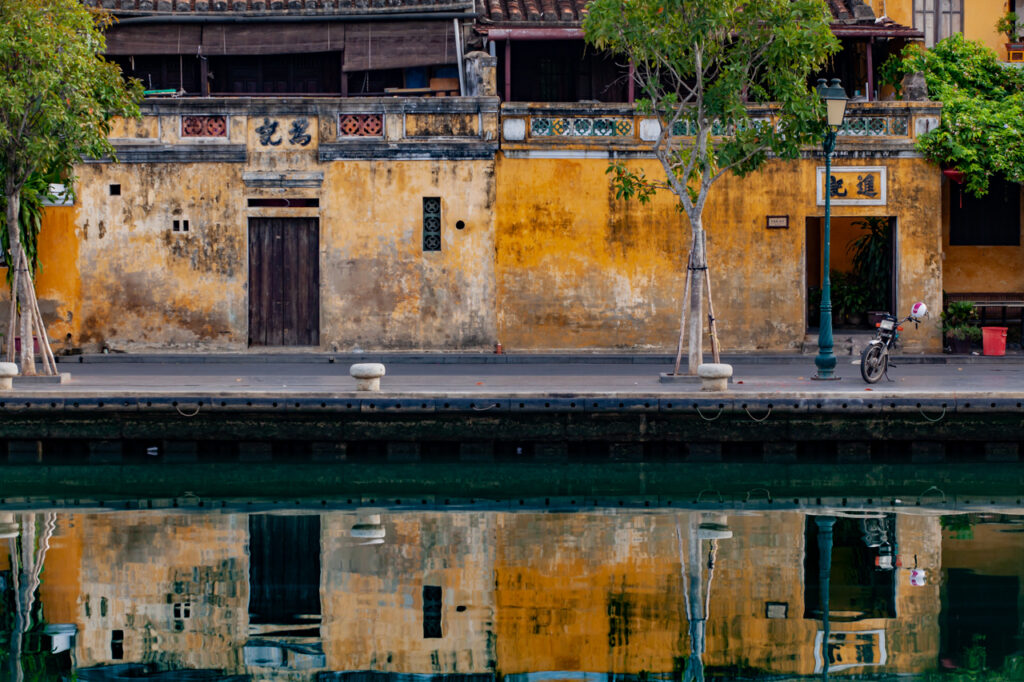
<point x="271" y="132"/>
<point x="853" y="186"/>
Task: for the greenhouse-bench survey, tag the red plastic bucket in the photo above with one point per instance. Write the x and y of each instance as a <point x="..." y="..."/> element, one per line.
<point x="993" y="340"/>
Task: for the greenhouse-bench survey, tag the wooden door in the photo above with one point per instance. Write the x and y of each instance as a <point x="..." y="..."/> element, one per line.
<point x="284" y="282"/>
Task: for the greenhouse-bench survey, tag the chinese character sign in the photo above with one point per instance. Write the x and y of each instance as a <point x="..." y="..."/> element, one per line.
<point x="282" y="133"/>
<point x="853" y="186"/>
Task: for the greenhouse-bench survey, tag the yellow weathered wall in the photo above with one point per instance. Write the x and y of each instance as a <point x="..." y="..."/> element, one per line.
<point x="133" y="284"/>
<point x="548" y="257"/>
<point x="144" y="286"/>
<point x="380" y="289"/>
<point x="578" y="268"/>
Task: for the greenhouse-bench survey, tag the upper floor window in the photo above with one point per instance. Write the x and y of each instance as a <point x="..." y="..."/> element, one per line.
<point x="938" y="19"/>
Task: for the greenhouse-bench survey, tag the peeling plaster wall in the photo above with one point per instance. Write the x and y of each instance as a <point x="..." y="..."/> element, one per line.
<point x="380" y="289"/>
<point x="578" y="268"/>
<point x="134" y="284"/>
<point x="144" y="286"/>
<point x="547" y="257"/>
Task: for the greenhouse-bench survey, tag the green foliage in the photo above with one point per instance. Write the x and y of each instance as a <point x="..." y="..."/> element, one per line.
<point x="699" y="63"/>
<point x="57" y="93"/>
<point x="849" y="295"/>
<point x="872" y="261"/>
<point x="959" y="321"/>
<point x="1007" y="25"/>
<point x="982" y="128"/>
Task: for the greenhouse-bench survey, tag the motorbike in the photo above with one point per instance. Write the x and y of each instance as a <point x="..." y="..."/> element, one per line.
<point x="874" y="359"/>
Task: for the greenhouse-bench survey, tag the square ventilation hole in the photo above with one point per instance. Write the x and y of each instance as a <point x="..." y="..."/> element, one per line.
<point x="115" y="190"/>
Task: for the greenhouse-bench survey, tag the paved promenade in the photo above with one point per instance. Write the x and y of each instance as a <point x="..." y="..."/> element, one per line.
<point x="316" y="375"/>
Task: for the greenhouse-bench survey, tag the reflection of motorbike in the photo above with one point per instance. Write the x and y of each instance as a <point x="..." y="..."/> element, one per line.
<point x="877" y="533"/>
<point x="874" y="360"/>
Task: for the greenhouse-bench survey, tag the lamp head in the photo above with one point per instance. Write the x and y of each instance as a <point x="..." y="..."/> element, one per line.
<point x="835" y="102"/>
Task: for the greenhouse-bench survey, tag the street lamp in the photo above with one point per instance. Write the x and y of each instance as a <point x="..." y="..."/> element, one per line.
<point x="835" y="109"/>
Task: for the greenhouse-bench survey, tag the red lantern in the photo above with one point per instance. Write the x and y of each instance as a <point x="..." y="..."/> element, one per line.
<point x="956" y="176"/>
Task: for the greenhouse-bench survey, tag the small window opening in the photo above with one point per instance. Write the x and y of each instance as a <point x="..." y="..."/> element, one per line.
<point x="283" y="203"/>
<point x="183" y="610"/>
<point x="431" y="612"/>
<point x="431" y="223"/>
<point x="117" y="644"/>
<point x="179" y="226"/>
<point x="115" y="190"/>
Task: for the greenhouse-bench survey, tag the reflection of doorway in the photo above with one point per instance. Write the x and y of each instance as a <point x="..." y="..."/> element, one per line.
<point x="284" y="282"/>
<point x="860" y="586"/>
<point x="284" y="570"/>
<point x="843" y="231"/>
<point x="979" y="615"/>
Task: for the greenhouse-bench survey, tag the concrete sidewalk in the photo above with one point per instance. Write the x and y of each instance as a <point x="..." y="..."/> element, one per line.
<point x="313" y="375"/>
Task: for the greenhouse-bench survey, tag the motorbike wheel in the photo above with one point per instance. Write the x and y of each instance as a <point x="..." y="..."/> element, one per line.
<point x="873" y="362"/>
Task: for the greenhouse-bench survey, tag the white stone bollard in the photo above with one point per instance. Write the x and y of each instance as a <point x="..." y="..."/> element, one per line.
<point x="367" y="375"/>
<point x="8" y="370"/>
<point x="714" y="377"/>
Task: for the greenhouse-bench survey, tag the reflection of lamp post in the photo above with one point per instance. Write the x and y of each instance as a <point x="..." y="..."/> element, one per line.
<point x="825" y="524"/>
<point x="835" y="110"/>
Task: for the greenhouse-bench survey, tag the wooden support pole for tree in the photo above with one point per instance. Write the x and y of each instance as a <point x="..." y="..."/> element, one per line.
<point x="712" y="329"/>
<point x="49" y="364"/>
<point x="682" y="319"/>
<point x="12" y="321"/>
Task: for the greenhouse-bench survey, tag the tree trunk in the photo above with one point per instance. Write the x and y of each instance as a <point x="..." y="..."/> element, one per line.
<point x="23" y="299"/>
<point x="18" y="288"/>
<point x="697" y="263"/>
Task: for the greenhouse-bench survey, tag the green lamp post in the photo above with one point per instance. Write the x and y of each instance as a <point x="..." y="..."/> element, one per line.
<point x="835" y="110"/>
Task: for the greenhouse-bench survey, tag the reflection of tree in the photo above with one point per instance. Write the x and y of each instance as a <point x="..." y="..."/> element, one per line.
<point x="28" y="551"/>
<point x="697" y="609"/>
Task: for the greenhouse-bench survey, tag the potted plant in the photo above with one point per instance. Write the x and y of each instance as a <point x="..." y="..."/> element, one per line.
<point x="872" y="265"/>
<point x="1008" y="26"/>
<point x="958" y="324"/>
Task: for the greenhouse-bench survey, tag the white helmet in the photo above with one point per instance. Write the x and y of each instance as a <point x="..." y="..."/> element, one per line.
<point x="918" y="310"/>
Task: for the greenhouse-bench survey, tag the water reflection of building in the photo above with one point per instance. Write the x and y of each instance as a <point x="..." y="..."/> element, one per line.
<point x="287" y="597"/>
<point x="164" y="588"/>
<point x="983" y="589"/>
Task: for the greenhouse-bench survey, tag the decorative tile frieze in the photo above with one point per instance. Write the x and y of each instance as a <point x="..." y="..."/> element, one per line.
<point x="204" y="126"/>
<point x="361" y="125"/>
<point x="579" y="126"/>
<point x="875" y="126"/>
<point x="718" y="127"/>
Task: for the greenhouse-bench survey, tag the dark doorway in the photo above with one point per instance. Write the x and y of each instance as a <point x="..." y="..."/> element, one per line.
<point x="853" y="293"/>
<point x="284" y="569"/>
<point x="284" y="282"/>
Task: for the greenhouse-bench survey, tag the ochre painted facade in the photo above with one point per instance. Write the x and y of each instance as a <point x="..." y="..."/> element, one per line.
<point x="535" y="251"/>
<point x="579" y="268"/>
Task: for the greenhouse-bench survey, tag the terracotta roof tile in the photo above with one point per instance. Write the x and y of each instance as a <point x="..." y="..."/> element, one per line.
<point x="849" y="17"/>
<point x="279" y="7"/>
